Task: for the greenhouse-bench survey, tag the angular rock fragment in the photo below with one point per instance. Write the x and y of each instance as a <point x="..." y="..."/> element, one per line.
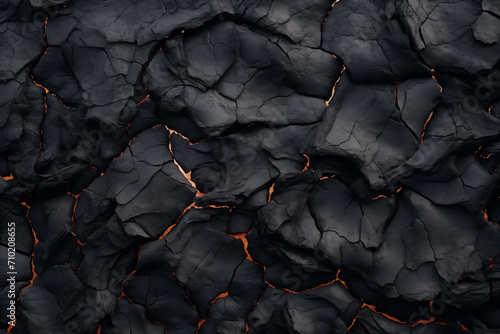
<point x="451" y="34"/>
<point x="369" y="39"/>
<point x="131" y="188"/>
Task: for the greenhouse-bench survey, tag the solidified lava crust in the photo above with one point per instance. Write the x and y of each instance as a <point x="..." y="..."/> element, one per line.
<point x="250" y="166"/>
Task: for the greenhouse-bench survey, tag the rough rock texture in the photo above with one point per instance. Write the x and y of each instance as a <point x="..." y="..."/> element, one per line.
<point x="250" y="166"/>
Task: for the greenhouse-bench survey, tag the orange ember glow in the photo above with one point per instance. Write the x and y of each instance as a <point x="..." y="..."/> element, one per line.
<point x="37" y="84"/>
<point x="222" y="295"/>
<point x="167" y="231"/>
<point x="216" y="207"/>
<point x="307" y="166"/>
<point x="271" y="191"/>
<point x="73" y="217"/>
<point x="379" y="196"/>
<point x="383" y="196"/>
<point x="77" y="239"/>
<point x="336" y="82"/>
<point x="147" y="97"/>
<point x="61" y="9"/>
<point x="186" y="175"/>
<point x="485" y="215"/>
<point x="191" y="206"/>
<point x="425" y="126"/>
<point x="36" y="242"/>
<point x="202" y="321"/>
<point x="11" y="326"/>
<point x="434" y="77"/>
<point x="337" y="279"/>
<point x="243" y="238"/>
<point x="373" y="308"/>
<point x="179" y="134"/>
<point x="6" y="178"/>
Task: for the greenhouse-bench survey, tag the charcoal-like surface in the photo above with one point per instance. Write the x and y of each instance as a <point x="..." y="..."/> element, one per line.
<point x="250" y="166"/>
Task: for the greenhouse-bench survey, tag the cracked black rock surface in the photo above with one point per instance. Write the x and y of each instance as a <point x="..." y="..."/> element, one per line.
<point x="241" y="166"/>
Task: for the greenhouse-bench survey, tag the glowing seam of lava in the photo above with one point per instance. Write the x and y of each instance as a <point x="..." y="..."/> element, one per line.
<point x="180" y="134"/>
<point x="434" y="77"/>
<point x="37" y="84"/>
<point x="425" y="126"/>
<point x="73" y="217"/>
<point x="307" y="166"/>
<point x="191" y="206"/>
<point x="167" y="231"/>
<point x="383" y="196"/>
<point x="186" y="175"/>
<point x="323" y="22"/>
<point x="337" y="279"/>
<point x="202" y="321"/>
<point x="243" y="238"/>
<point x="32" y="258"/>
<point x="143" y="100"/>
<point x="373" y="308"/>
<point x="271" y="191"/>
<point x="334" y="86"/>
<point x="485" y="215"/>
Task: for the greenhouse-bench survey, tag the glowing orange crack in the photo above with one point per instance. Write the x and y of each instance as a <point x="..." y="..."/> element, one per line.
<point x="142" y="101"/>
<point x="323" y="22"/>
<point x="33" y="254"/>
<point x="167" y="231"/>
<point x="202" y="321"/>
<point x="243" y="238"/>
<point x="373" y="308"/>
<point x="337" y="279"/>
<point x="336" y="82"/>
<point x="37" y="84"/>
<point x="485" y="215"/>
<point x="491" y="107"/>
<point x="307" y="166"/>
<point x="271" y="191"/>
<point x="434" y="77"/>
<point x="186" y="175"/>
<point x="425" y="126"/>
<point x="73" y="216"/>
<point x="383" y="196"/>
<point x="179" y="134"/>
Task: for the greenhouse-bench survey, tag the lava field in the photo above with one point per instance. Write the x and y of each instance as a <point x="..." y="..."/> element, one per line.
<point x="249" y="166"/>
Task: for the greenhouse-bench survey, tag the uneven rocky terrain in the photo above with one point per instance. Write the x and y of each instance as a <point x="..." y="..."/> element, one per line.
<point x="251" y="166"/>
